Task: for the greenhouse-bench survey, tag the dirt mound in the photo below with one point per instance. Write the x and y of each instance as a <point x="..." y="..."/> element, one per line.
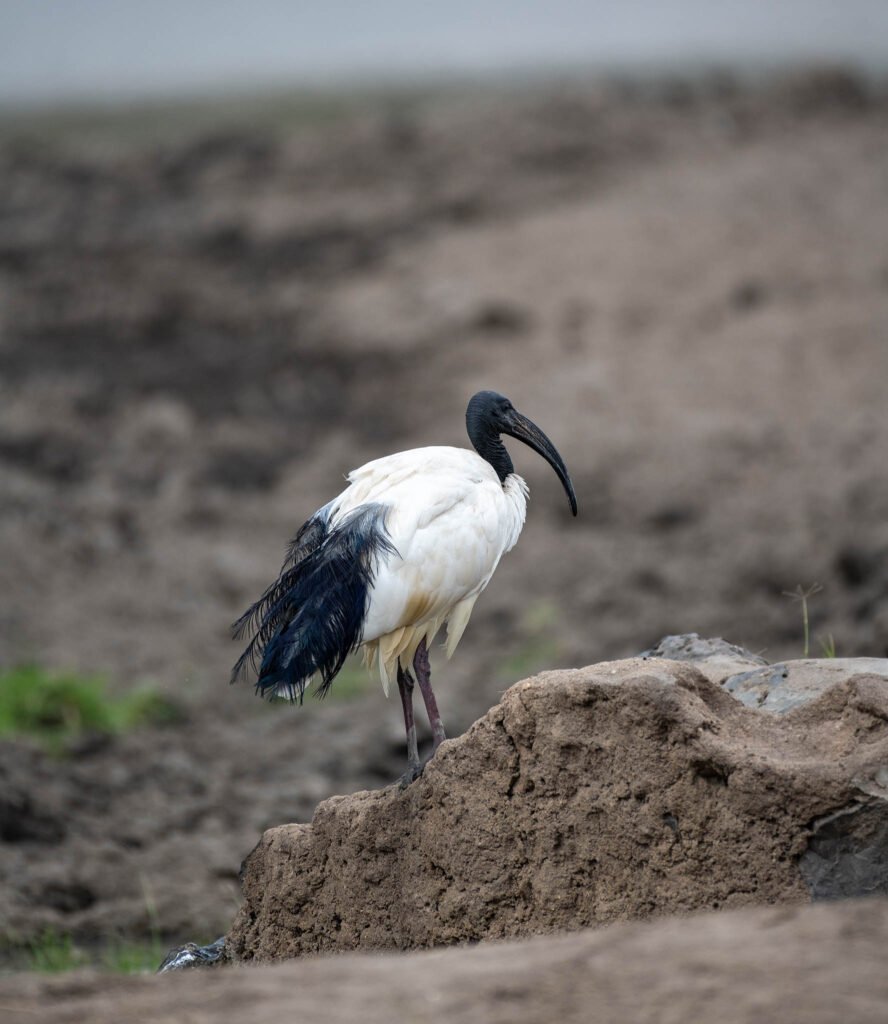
<point x="623" y="790"/>
<point x="805" y="964"/>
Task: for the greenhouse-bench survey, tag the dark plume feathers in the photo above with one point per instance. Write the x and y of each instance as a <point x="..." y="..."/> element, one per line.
<point x="310" y="619"/>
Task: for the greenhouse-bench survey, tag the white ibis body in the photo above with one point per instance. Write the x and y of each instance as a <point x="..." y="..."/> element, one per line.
<point x="404" y="551"/>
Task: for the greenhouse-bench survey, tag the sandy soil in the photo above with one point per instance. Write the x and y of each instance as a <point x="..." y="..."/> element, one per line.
<point x="686" y="286"/>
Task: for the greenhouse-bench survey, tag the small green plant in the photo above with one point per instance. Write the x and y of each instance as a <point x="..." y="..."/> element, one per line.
<point x="828" y="646"/>
<point x="57" y="707"/>
<point x="802" y="596"/>
<point x="827" y="643"/>
<point x="52" y="953"/>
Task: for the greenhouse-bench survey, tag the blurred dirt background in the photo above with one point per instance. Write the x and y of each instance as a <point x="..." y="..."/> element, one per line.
<point x="207" y="320"/>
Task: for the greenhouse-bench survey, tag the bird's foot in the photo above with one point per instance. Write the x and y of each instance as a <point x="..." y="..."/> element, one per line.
<point x="414" y="770"/>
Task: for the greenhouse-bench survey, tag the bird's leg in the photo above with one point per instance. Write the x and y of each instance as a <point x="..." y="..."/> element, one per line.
<point x="423" y="676"/>
<point x="405" y="688"/>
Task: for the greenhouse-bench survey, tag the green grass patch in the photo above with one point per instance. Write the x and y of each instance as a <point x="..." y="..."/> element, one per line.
<point x="131" y="957"/>
<point x="57" y="707"/>
<point x="53" y="952"/>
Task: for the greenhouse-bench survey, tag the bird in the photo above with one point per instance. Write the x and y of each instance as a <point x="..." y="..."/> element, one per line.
<point x="403" y="551"/>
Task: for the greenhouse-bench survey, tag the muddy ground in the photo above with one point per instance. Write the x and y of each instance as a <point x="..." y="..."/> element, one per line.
<point x="201" y="331"/>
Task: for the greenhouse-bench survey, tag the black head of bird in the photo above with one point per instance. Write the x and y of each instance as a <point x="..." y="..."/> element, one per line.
<point x="403" y="551"/>
<point x="488" y="416"/>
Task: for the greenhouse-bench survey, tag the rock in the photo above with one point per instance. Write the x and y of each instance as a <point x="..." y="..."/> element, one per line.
<point x="715" y="658"/>
<point x="693" y="647"/>
<point x="192" y="955"/>
<point x="808" y="965"/>
<point x="787" y="685"/>
<point x="624" y="790"/>
<point x="755" y="683"/>
<point x="848" y="852"/>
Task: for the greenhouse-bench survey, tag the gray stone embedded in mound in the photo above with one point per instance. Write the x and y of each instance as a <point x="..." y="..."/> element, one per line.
<point x="624" y="790"/>
<point x="756" y="683"/>
<point x="848" y="852"/>
<point x="191" y="955"/>
<point x="693" y="647"/>
<point x="787" y="685"/>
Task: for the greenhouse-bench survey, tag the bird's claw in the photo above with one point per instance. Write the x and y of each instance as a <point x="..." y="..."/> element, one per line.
<point x="411" y="775"/>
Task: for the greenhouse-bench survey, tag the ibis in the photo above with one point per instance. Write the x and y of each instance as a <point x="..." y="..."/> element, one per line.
<point x="402" y="552"/>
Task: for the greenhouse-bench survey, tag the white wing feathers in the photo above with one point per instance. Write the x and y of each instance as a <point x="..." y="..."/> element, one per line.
<point x="450" y="521"/>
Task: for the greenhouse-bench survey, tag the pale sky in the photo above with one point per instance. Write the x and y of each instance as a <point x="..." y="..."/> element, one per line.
<point x="107" y="49"/>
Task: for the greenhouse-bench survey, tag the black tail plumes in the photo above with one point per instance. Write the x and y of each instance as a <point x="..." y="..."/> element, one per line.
<point x="310" y="619"/>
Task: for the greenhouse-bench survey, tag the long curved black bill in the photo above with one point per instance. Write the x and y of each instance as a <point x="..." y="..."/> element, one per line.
<point x="527" y="431"/>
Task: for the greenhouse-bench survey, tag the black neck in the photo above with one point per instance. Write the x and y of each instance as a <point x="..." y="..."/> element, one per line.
<point x="489" y="446"/>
